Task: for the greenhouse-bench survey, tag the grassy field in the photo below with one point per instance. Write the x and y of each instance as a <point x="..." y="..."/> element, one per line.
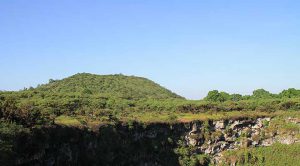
<point x="166" y="117"/>
<point x="152" y="117"/>
<point x="68" y="121"/>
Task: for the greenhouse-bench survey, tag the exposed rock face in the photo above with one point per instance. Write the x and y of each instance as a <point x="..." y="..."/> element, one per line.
<point x="226" y="135"/>
<point x="219" y="124"/>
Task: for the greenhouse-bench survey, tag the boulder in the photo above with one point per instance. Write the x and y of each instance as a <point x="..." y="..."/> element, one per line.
<point x="235" y="124"/>
<point x="195" y="129"/>
<point x="219" y="125"/>
<point x="258" y="125"/>
<point x="191" y="141"/>
<point x="255" y="143"/>
<point x="216" y="148"/>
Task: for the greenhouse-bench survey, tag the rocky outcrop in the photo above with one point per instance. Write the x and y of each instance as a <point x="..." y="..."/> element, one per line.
<point x="233" y="134"/>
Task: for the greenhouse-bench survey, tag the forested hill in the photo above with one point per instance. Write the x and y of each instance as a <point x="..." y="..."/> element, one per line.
<point x="127" y="87"/>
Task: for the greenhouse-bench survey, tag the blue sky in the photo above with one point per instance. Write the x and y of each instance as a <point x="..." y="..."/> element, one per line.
<point x="188" y="46"/>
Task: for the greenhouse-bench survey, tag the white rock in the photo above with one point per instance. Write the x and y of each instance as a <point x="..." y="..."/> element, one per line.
<point x="220" y="125"/>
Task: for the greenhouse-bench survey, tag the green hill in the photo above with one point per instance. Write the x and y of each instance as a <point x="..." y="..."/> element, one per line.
<point x="127" y="87"/>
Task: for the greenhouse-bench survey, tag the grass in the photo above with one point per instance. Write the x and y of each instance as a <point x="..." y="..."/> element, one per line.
<point x="68" y="121"/>
<point x="276" y="155"/>
<point x="164" y="117"/>
<point x="168" y="117"/>
<point x="223" y="115"/>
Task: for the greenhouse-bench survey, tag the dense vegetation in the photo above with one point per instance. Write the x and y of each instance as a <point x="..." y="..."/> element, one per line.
<point x="258" y="94"/>
<point x="87" y="100"/>
<point x="106" y="86"/>
<point x="103" y="98"/>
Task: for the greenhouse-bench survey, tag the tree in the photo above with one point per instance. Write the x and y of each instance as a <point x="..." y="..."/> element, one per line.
<point x="262" y="94"/>
<point x="224" y="96"/>
<point x="217" y="96"/>
<point x="51" y="81"/>
<point x="236" y="97"/>
<point x="290" y="93"/>
<point x="212" y="95"/>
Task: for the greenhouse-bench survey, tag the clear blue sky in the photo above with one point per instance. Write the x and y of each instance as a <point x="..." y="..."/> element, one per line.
<point x="188" y="46"/>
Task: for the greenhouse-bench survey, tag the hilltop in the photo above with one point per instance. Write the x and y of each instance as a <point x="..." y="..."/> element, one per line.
<point x="127" y="87"/>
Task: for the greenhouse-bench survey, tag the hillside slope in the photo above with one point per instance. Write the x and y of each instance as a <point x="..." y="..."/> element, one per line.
<point x="129" y="87"/>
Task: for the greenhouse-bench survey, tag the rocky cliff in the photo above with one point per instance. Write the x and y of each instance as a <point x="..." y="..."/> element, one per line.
<point x="215" y="137"/>
<point x="140" y="144"/>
